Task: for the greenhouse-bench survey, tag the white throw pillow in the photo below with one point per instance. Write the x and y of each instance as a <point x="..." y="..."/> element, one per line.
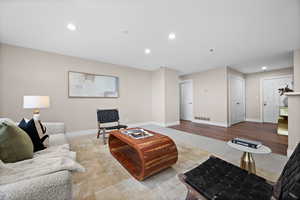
<point x="41" y="129"/>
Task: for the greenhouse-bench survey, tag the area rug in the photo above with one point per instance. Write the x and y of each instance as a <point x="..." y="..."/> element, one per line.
<point x="106" y="179"/>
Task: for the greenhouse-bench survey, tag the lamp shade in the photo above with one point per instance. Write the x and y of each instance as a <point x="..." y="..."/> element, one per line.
<point x="36" y="102"/>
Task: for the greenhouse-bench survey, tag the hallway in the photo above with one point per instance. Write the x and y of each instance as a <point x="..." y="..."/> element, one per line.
<point x="264" y="132"/>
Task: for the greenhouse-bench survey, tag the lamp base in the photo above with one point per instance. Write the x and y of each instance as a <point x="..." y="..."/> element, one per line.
<point x="36" y="114"/>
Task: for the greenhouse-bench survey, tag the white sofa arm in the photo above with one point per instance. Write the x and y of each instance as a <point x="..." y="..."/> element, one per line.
<point x="54" y="127"/>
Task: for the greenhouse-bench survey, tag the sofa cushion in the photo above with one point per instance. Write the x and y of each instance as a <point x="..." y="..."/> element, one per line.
<point x="15" y="144"/>
<point x="57" y="139"/>
<point x="31" y="130"/>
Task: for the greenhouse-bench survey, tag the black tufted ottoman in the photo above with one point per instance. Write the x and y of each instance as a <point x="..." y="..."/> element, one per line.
<point x="216" y="179"/>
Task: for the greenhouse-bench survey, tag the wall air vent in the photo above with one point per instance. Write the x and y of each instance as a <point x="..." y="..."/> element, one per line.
<point x="203" y="118"/>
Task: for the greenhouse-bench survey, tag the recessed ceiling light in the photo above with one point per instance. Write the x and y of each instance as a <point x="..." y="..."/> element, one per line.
<point x="147" y="51"/>
<point x="124" y="31"/>
<point x="264" y="67"/>
<point x="172" y="36"/>
<point x="71" y="27"/>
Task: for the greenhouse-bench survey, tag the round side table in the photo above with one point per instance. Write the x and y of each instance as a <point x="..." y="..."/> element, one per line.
<point x="247" y="160"/>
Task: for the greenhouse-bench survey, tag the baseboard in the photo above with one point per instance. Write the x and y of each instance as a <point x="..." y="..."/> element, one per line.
<point x="158" y="124"/>
<point x="165" y="124"/>
<point x="81" y="132"/>
<point x="154" y="123"/>
<point x="94" y="131"/>
<point x="222" y="124"/>
<point x="253" y="120"/>
<point x="172" y="123"/>
<point x="138" y="124"/>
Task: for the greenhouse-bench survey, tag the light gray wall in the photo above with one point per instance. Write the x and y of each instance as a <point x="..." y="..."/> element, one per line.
<point x="31" y="72"/>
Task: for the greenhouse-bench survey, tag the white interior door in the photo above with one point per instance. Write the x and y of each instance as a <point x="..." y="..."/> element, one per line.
<point x="272" y="99"/>
<point x="237" y="100"/>
<point x="186" y="101"/>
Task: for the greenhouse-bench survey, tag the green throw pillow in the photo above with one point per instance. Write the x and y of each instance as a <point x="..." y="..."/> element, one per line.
<point x="15" y="144"/>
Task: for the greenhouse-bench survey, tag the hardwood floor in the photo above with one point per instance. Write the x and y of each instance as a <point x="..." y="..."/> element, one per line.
<point x="264" y="132"/>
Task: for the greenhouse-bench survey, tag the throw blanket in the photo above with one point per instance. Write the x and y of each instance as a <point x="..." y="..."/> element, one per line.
<point x="50" y="160"/>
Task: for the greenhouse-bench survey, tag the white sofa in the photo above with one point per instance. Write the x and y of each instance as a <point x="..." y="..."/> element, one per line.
<point x="55" y="186"/>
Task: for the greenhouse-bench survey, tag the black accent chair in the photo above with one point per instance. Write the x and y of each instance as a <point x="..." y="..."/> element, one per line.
<point x="217" y="179"/>
<point x="108" y="116"/>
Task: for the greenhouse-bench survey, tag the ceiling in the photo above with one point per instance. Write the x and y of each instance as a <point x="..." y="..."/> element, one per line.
<point x="245" y="34"/>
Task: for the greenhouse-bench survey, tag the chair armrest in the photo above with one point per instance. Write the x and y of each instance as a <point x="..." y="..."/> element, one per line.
<point x="54" y="127"/>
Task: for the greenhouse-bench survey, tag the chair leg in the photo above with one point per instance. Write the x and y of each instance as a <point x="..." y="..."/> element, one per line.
<point x="103" y="135"/>
<point x="98" y="134"/>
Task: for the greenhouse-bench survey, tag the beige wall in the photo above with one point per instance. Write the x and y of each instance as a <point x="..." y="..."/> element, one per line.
<point x="297" y="70"/>
<point x="158" y="96"/>
<point x="1" y="82"/>
<point x="165" y="96"/>
<point x="30" y="72"/>
<point x="171" y="96"/>
<point x="294" y="125"/>
<point x="210" y="94"/>
<point x="294" y="107"/>
<point x="253" y="91"/>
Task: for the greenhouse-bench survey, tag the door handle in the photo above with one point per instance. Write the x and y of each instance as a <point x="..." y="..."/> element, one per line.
<point x="265" y="104"/>
<point x="238" y="103"/>
<point x="190" y="103"/>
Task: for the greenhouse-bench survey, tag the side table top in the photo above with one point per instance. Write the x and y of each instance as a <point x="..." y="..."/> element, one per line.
<point x="261" y="150"/>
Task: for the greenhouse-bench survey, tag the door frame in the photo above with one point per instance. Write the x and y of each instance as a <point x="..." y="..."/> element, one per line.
<point x="261" y="92"/>
<point x="192" y="84"/>
<point x="231" y="76"/>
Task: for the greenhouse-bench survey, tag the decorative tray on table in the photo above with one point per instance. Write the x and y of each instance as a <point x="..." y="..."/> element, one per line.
<point x="137" y="133"/>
